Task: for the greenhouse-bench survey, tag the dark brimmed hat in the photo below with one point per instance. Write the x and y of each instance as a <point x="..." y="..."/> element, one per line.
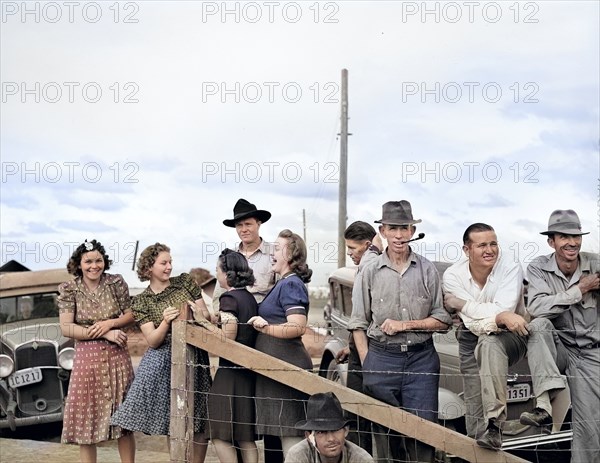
<point x="397" y="213"/>
<point x="323" y="413"/>
<point x="243" y="210"/>
<point x="564" y="221"/>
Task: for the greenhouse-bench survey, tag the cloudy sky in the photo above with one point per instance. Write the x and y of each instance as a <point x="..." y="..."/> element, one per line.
<point x="148" y="120"/>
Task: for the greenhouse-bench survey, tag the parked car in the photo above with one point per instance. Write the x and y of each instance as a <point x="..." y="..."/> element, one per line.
<point x="451" y="411"/>
<point x="35" y="358"/>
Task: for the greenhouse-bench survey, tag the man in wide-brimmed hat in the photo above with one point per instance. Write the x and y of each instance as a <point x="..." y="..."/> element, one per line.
<point x="325" y="430"/>
<point x="564" y="298"/>
<point x="247" y="220"/>
<point x="397" y="306"/>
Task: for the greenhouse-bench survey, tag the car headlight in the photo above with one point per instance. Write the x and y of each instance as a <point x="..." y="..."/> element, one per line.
<point x="65" y="358"/>
<point x="6" y="366"/>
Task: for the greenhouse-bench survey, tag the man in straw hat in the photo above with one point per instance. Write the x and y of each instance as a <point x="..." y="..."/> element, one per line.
<point x="397" y="305"/>
<point x="325" y="430"/>
<point x="485" y="288"/>
<point x="564" y="298"/>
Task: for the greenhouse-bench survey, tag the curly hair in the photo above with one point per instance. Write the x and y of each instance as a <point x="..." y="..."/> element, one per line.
<point x="297" y="253"/>
<point x="74" y="264"/>
<point x="236" y="269"/>
<point x="148" y="258"/>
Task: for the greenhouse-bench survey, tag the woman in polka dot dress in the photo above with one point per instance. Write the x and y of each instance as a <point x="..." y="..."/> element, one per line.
<point x="93" y="308"/>
<point x="147" y="408"/>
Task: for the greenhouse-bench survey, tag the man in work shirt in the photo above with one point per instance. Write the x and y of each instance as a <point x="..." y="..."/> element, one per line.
<point x="565" y="301"/>
<point x="397" y="305"/>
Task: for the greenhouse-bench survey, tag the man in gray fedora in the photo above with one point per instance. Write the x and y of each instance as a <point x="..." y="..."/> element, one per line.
<point x="326" y="431"/>
<point x="564" y="298"/>
<point x="397" y="306"/>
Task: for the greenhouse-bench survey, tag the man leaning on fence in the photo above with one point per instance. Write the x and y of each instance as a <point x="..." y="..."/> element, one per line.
<point x="486" y="289"/>
<point x="397" y="305"/>
<point x="564" y="298"/>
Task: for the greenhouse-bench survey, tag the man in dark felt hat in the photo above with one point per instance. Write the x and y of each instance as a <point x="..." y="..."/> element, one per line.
<point x="325" y="430"/>
<point x="564" y="299"/>
<point x="247" y="220"/>
<point x="397" y="306"/>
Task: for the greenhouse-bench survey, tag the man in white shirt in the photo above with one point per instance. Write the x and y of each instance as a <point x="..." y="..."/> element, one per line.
<point x="486" y="290"/>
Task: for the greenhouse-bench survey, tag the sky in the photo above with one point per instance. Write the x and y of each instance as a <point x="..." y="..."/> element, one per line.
<point x="146" y="121"/>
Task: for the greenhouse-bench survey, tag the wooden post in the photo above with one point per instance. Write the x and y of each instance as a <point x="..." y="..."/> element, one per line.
<point x="181" y="430"/>
<point x="379" y="412"/>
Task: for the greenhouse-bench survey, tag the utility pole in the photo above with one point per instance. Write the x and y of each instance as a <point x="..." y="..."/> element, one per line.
<point x="342" y="213"/>
<point x="304" y="223"/>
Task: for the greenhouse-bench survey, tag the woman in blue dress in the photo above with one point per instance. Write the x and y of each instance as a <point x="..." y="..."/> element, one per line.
<point x="281" y="322"/>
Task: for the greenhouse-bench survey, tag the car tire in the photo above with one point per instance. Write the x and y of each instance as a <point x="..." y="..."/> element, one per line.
<point x="334" y="372"/>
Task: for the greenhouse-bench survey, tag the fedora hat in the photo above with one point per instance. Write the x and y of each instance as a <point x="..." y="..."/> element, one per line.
<point x="564" y="221"/>
<point x="397" y="213"/>
<point x="243" y="210"/>
<point x="323" y="413"/>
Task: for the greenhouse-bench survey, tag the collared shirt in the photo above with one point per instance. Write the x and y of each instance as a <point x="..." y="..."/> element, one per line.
<point x="305" y="452"/>
<point x="503" y="291"/>
<point x="149" y="306"/>
<point x="260" y="263"/>
<point x="576" y="317"/>
<point x="381" y="292"/>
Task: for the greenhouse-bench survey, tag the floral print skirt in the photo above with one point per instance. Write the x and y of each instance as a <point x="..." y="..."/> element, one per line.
<point x="101" y="376"/>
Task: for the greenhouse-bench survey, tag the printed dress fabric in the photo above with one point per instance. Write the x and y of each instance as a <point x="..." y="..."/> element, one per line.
<point x="280" y="407"/>
<point x="102" y="371"/>
<point x="147" y="407"/>
<point x="231" y="408"/>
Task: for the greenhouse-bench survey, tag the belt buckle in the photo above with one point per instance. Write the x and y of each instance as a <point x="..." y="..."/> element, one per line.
<point x="403" y="348"/>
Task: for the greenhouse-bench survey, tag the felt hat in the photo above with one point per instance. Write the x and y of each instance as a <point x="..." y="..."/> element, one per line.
<point x="243" y="210"/>
<point x="397" y="213"/>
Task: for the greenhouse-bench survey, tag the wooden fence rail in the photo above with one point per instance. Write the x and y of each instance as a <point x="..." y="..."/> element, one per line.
<point x="182" y="403"/>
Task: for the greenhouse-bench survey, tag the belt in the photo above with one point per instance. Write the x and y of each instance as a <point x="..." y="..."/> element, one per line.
<point x="397" y="347"/>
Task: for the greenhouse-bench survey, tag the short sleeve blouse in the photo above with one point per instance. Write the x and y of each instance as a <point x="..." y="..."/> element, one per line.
<point x="289" y="296"/>
<point x="109" y="300"/>
<point x="149" y="306"/>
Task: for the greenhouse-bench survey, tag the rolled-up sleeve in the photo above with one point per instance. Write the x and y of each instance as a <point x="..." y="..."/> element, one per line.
<point x="437" y="300"/>
<point x="360" y="318"/>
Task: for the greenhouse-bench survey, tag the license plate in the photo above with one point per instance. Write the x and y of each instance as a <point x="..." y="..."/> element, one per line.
<point x="25" y="377"/>
<point x="518" y="393"/>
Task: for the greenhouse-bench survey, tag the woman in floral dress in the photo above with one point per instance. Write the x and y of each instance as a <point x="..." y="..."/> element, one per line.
<point x="147" y="408"/>
<point x="93" y="308"/>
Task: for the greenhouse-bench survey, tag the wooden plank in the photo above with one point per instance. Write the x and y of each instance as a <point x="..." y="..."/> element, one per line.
<point x="181" y="430"/>
<point x="406" y="423"/>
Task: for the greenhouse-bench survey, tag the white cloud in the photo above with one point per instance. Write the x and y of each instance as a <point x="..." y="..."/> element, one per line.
<point x="174" y="163"/>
